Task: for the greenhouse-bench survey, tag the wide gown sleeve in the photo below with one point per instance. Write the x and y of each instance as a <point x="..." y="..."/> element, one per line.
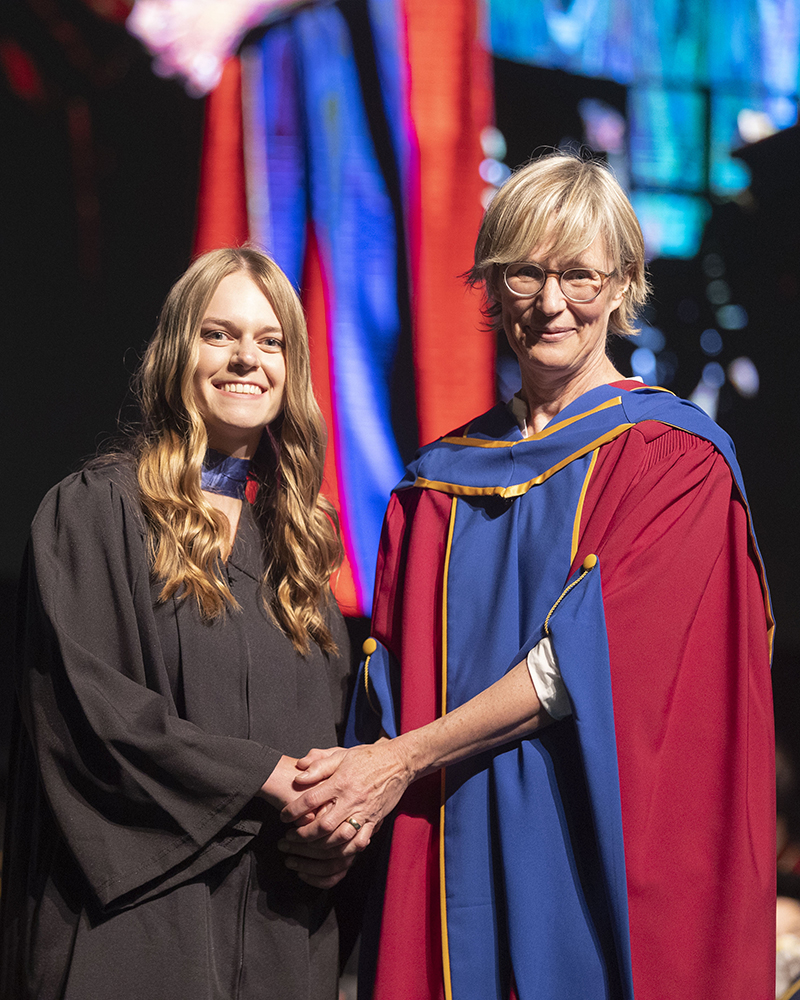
<point x="688" y="645"/>
<point x="144" y="799"/>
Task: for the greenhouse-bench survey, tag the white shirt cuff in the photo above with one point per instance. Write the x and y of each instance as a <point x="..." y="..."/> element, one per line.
<point x="547" y="681"/>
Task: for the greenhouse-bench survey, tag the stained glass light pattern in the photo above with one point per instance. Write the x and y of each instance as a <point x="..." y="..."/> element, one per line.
<point x="672" y="223"/>
<point x="715" y="44"/>
<point x="692" y="69"/>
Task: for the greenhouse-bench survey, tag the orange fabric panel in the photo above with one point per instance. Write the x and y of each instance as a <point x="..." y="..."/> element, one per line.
<point x="222" y="200"/>
<point x="450" y="101"/>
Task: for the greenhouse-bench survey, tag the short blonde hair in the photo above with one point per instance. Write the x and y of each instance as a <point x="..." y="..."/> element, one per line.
<point x="564" y="202"/>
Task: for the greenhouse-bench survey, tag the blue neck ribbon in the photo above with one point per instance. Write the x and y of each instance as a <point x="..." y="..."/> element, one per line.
<point x="224" y="474"/>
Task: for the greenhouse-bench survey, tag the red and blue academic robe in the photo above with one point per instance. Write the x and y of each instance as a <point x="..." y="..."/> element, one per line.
<point x="627" y="850"/>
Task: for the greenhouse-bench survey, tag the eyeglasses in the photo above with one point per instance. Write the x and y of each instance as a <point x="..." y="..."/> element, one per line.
<point x="579" y="284"/>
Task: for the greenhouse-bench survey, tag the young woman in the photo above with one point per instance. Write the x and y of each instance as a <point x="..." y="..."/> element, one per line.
<point x="179" y="649"/>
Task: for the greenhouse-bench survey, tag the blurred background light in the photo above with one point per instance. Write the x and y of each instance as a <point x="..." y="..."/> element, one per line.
<point x="604" y="126"/>
<point x="713" y="265"/>
<point x="743" y="375"/>
<point x="643" y="363"/>
<point x="493" y="172"/>
<point x="651" y="337"/>
<point x="732" y="317"/>
<point x="714" y="375"/>
<point x="718" y="292"/>
<point x="711" y="342"/>
<point x="707" y="398"/>
<point x="672" y="223"/>
<point x="493" y="143"/>
<point x="782" y="110"/>
<point x="755" y="125"/>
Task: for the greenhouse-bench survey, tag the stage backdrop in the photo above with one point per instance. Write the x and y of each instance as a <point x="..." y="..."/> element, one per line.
<point x="346" y="140"/>
<point x="354" y="142"/>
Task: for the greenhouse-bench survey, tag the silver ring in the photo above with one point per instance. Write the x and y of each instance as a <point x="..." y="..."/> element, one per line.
<point x="354" y="823"/>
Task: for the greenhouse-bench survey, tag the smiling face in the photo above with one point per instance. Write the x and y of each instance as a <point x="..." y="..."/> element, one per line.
<point x="240" y="377"/>
<point x="554" y="338"/>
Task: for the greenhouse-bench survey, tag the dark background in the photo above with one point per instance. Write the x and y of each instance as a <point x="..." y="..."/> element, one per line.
<point x="98" y="182"/>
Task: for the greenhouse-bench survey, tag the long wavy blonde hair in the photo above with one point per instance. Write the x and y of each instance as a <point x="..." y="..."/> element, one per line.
<point x="188" y="537"/>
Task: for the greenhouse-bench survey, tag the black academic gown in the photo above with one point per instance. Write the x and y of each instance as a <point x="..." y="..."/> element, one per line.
<point x="137" y="862"/>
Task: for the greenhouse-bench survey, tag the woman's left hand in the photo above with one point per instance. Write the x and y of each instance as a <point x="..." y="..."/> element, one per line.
<point x="353" y="790"/>
<point x="317" y="864"/>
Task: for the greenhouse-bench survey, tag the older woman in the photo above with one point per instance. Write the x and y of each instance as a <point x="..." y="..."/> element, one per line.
<point x="571" y="649"/>
<point x="179" y="649"/>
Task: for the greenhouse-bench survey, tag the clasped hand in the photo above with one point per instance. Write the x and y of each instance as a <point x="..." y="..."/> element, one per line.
<point x="362" y="784"/>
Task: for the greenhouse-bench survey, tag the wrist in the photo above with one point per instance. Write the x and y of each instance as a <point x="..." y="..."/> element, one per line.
<point x="279" y="783"/>
<point x="414" y="755"/>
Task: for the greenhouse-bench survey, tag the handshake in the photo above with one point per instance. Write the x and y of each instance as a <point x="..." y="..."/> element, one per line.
<point x="334" y="801"/>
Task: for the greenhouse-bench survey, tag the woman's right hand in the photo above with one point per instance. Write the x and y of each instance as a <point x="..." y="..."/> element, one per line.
<point x="319" y="863"/>
<point x="350" y="793"/>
